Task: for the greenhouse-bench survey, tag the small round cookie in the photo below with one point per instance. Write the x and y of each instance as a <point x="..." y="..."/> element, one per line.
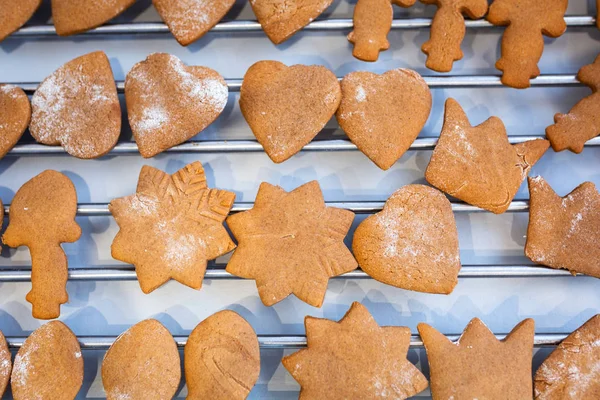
<point x="5" y="364"/>
<point x="143" y="363"/>
<point x="222" y="358"/>
<point x="169" y="102"/>
<point x="75" y="16"/>
<point x="15" y="115"/>
<point x="14" y="14"/>
<point x="78" y="107"/>
<point x="49" y="365"/>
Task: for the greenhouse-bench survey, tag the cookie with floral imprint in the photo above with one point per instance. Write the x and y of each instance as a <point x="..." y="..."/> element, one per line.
<point x="14" y="14"/>
<point x="169" y="102"/>
<point x="75" y="16"/>
<point x="15" y="115"/>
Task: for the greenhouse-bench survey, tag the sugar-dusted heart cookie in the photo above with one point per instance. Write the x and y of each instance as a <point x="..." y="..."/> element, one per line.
<point x="142" y="363"/>
<point x="222" y="358"/>
<point x="15" y="114"/>
<point x="14" y="14"/>
<point x="286" y="107"/>
<point x="5" y="364"/>
<point x="280" y="19"/>
<point x="412" y="243"/>
<point x="77" y="107"/>
<point x="383" y="114"/>
<point x="189" y="20"/>
<point x="75" y="16"/>
<point x="169" y="102"/>
<point x="49" y="365"/>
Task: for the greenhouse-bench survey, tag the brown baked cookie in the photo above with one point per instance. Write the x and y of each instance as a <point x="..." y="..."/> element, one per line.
<point x="75" y="16"/>
<point x="291" y="243"/>
<point x="42" y="216"/>
<point x="15" y="114"/>
<point x="564" y="233"/>
<point x="286" y="107"/>
<point x="477" y="164"/>
<point x="5" y="364"/>
<point x="14" y="14"/>
<point x="448" y="31"/>
<point x="280" y="19"/>
<point x="189" y="20"/>
<point x="572" y="370"/>
<point x="522" y="43"/>
<point x="582" y="123"/>
<point x="49" y="365"/>
<point x="383" y="114"/>
<point x="411" y="244"/>
<point x="479" y="366"/>
<point x="372" y="22"/>
<point x="77" y="107"/>
<point x="222" y="358"/>
<point x="171" y="226"/>
<point x="142" y="363"/>
<point x="169" y="102"/>
<point x="354" y="359"/>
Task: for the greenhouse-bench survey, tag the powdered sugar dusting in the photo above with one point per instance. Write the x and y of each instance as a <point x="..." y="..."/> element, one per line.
<point x="361" y="95"/>
<point x="153" y="118"/>
<point x="11" y="90"/>
<point x="189" y="17"/>
<point x="5" y="366"/>
<point x="210" y="92"/>
<point x="23" y="367"/>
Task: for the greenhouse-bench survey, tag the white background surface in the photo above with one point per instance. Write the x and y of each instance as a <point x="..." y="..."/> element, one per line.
<point x="108" y="308"/>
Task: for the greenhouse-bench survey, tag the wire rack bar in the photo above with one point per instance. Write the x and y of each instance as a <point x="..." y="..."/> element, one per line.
<point x="142" y="28"/>
<point x="276" y="342"/>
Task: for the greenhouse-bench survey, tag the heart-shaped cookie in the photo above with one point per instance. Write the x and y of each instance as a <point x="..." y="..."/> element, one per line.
<point x="383" y="114"/>
<point x="75" y="16"/>
<point x="411" y="244"/>
<point x="14" y="14"/>
<point x="78" y="107"/>
<point x="169" y="102"/>
<point x="189" y="20"/>
<point x="286" y="107"/>
<point x="15" y="114"/>
<point x="280" y="19"/>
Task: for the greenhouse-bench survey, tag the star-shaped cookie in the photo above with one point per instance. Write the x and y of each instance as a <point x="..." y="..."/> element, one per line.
<point x="477" y="164"/>
<point x="478" y="365"/>
<point x="354" y="358"/>
<point x="171" y="226"/>
<point x="291" y="243"/>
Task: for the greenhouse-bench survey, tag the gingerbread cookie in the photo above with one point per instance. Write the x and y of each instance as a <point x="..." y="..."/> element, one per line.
<point x="77" y="107"/>
<point x="75" y="16"/>
<point x="189" y="20"/>
<point x="171" y="226"/>
<point x="372" y="22"/>
<point x="281" y="19"/>
<point x="564" y="233"/>
<point x="582" y="123"/>
<point x="448" y="31"/>
<point x="479" y="366"/>
<point x="354" y="359"/>
<point x="291" y="243"/>
<point x="411" y="244"/>
<point x="286" y="107"/>
<point x="49" y="365"/>
<point x="42" y="216"/>
<point x="5" y="364"/>
<point x="222" y="358"/>
<point x="142" y="363"/>
<point x="15" y="114"/>
<point x="522" y="43"/>
<point x="572" y="370"/>
<point x="477" y="164"/>
<point x="169" y="102"/>
<point x="383" y="114"/>
<point x="14" y="14"/>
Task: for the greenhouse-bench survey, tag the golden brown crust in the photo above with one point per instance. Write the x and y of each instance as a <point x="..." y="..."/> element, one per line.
<point x="5" y="364"/>
<point x="15" y="116"/>
<point x="14" y="14"/>
<point x="75" y="16"/>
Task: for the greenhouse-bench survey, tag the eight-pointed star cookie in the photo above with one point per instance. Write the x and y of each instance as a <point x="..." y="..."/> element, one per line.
<point x="354" y="358"/>
<point x="478" y="365"/>
<point x="171" y="226"/>
<point x="291" y="243"/>
<point x="564" y="232"/>
<point x="477" y="164"/>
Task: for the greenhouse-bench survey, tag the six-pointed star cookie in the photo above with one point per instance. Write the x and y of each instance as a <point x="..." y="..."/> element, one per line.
<point x="478" y="365"/>
<point x="171" y="226"/>
<point x="291" y="243"/>
<point x="354" y="358"/>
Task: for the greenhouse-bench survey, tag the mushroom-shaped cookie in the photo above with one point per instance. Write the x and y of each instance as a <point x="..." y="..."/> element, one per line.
<point x="14" y="14"/>
<point x="42" y="216"/>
